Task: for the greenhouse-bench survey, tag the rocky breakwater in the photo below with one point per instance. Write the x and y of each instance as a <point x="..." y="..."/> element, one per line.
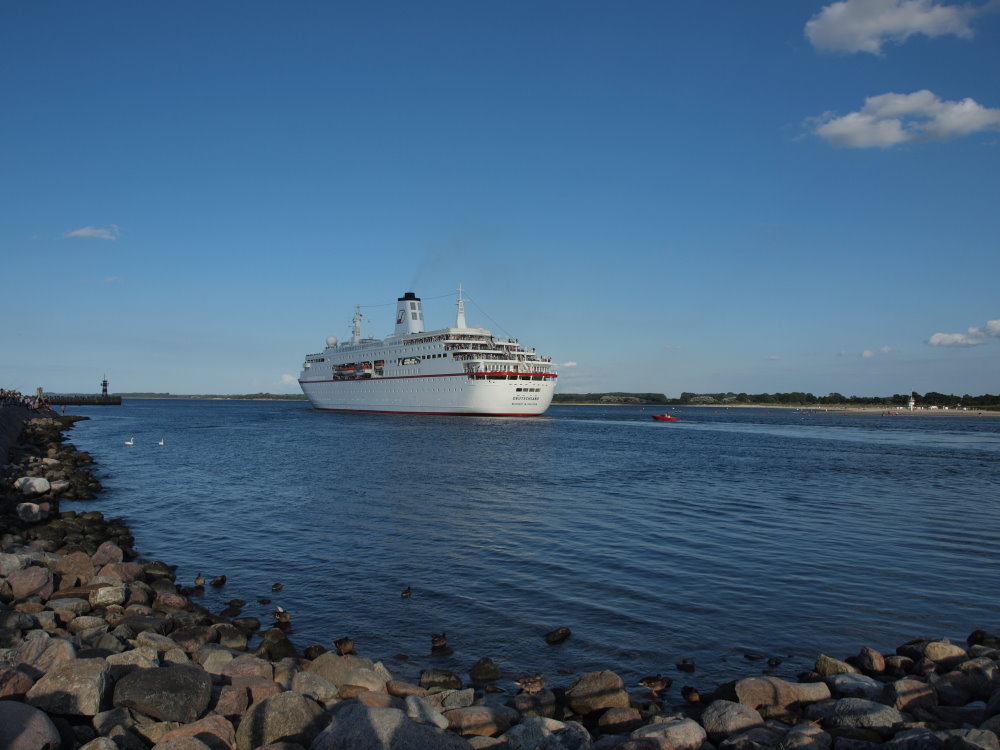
<point x="38" y="468"/>
<point x="101" y="653"/>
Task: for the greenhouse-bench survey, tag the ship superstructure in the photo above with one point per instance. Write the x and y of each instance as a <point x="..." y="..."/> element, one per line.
<point x="458" y="370"/>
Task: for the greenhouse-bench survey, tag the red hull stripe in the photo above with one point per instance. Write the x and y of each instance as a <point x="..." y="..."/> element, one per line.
<point x="446" y="375"/>
<point x="432" y="413"/>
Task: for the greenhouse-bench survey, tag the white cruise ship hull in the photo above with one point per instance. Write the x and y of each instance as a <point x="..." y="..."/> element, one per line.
<point x="440" y="394"/>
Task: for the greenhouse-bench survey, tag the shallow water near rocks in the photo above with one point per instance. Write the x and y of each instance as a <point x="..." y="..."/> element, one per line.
<point x="726" y="538"/>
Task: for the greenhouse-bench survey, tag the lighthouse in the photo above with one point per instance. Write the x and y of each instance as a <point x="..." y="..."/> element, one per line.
<point x="409" y="315"/>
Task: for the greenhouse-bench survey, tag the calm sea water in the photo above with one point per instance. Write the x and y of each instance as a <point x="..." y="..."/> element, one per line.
<point x="731" y="532"/>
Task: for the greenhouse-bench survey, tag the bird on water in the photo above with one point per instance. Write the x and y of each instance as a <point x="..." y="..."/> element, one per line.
<point x="530" y="683"/>
<point x="199" y="581"/>
<point x="277" y="586"/>
<point x="344" y="646"/>
<point x="218" y="581"/>
<point x="130" y="441"/>
<point x="656" y="684"/>
<point x="406" y="594"/>
<point x="281" y="615"/>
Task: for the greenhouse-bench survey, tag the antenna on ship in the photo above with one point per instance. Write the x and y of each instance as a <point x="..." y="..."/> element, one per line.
<point x="356" y="332"/>
<point x="460" y="316"/>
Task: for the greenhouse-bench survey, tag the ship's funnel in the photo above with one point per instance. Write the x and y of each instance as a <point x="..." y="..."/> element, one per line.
<point x="409" y="314"/>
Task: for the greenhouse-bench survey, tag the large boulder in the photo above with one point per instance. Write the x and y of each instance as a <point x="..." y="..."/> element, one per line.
<point x="31" y="581"/>
<point x="827" y="665"/>
<point x="724" y="718"/>
<point x="30" y="486"/>
<point x="772" y="691"/>
<point x="858" y="713"/>
<point x="908" y="694"/>
<point x="24" y="727"/>
<point x="595" y="691"/>
<point x="357" y="727"/>
<point x="538" y="732"/>
<point x="74" y="688"/>
<point x="335" y="668"/>
<point x="214" y="731"/>
<point x="166" y="693"/>
<point x="679" y="734"/>
<point x="478" y="720"/>
<point x="850" y="685"/>
<point x="285" y="717"/>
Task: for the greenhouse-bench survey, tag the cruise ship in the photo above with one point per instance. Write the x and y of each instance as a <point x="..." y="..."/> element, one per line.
<point x="459" y="370"/>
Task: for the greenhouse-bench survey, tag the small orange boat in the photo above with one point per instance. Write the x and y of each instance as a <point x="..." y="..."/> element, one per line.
<point x="666" y="418"/>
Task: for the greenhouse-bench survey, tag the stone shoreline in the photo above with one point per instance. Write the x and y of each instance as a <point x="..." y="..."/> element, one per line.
<point x="100" y="650"/>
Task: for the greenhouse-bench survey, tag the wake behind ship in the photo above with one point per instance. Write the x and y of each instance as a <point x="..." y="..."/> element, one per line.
<point x="457" y="370"/>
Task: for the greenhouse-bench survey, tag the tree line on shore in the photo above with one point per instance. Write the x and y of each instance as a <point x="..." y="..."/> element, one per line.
<point x="796" y="398"/>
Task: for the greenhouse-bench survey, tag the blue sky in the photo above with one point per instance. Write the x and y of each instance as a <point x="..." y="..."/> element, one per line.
<point x="663" y="196"/>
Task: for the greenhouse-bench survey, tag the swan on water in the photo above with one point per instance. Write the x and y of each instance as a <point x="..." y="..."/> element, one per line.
<point x="130" y="441"/>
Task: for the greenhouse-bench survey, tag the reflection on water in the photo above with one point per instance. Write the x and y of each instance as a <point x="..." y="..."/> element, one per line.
<point x="732" y="531"/>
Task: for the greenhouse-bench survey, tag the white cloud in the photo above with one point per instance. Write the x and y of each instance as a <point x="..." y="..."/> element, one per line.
<point x="289" y="380"/>
<point x="110" y="232"/>
<point x="568" y="364"/>
<point x="865" y="25"/>
<point x="887" y="120"/>
<point x="111" y="279"/>
<point x="774" y="357"/>
<point x="974" y="337"/>
<point x="869" y="353"/>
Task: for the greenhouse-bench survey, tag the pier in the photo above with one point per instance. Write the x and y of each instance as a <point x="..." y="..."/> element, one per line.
<point x="84" y="399"/>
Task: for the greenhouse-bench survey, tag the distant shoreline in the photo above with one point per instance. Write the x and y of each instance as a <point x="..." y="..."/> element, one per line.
<point x="847" y="409"/>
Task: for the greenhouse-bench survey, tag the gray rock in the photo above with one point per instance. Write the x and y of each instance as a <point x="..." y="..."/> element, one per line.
<point x="77" y="688"/>
<point x="478" y="720"/>
<point x="441" y="679"/>
<point x="595" y="691"/>
<point x="871" y="661"/>
<point x="357" y="727"/>
<point x="31" y="512"/>
<point x="773" y="691"/>
<point x="969" y="739"/>
<point x="827" y="665"/>
<point x="849" y="685"/>
<point x="23" y="727"/>
<point x="334" y="668"/>
<point x="807" y="737"/>
<point x="724" y="718"/>
<point x="858" y="713"/>
<point x="105" y="721"/>
<point x="679" y="734"/>
<point x="945" y="654"/>
<point x="100" y="743"/>
<point x="542" y="703"/>
<point x="915" y="739"/>
<point x="908" y="695"/>
<point x="285" y="717"/>
<point x="30" y="581"/>
<point x="484" y="670"/>
<point x="166" y="693"/>
<point x="421" y="711"/>
<point x="108" y="552"/>
<point x="537" y="732"/>
<point x="108" y="595"/>
<point x="29" y="486"/>
<point x="313" y="686"/>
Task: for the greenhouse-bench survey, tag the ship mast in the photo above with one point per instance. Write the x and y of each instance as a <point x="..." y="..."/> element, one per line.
<point x="356" y="332"/>
<point x="460" y="316"/>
